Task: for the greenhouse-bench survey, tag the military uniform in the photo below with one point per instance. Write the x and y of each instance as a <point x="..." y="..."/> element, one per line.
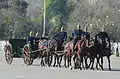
<point x="61" y="37"/>
<point x="76" y="34"/>
<point x="103" y="36"/>
<point x="87" y="34"/>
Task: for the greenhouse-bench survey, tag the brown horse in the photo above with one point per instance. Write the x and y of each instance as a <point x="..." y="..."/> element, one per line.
<point x="80" y="53"/>
<point x="47" y="48"/>
<point x="58" y="54"/>
<point x="67" y="54"/>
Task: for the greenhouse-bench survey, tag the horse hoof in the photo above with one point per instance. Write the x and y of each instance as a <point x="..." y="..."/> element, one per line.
<point x="92" y="68"/>
<point x="97" y="68"/>
<point x="59" y="65"/>
<point x="70" y="67"/>
<point x="110" y="69"/>
<point x="80" y="68"/>
<point x="56" y="65"/>
<point x="102" y="69"/>
<point x="75" y="67"/>
<point x="83" y="68"/>
<point x="53" y="65"/>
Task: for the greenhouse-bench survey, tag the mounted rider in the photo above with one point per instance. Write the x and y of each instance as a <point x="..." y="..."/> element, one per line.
<point x="61" y="37"/>
<point x="36" y="40"/>
<point x="44" y="37"/>
<point x="104" y="37"/>
<point x="76" y="34"/>
<point x="87" y="35"/>
<point x="30" y="38"/>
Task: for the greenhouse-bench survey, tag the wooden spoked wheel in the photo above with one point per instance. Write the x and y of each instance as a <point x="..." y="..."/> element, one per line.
<point x="26" y="55"/>
<point x="8" y="54"/>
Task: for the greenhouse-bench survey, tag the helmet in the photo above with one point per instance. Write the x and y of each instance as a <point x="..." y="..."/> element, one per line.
<point x="78" y="26"/>
<point x="85" y="29"/>
<point x="43" y="35"/>
<point x="30" y="33"/>
<point x="62" y="28"/>
<point x="36" y="34"/>
<point x="103" y="29"/>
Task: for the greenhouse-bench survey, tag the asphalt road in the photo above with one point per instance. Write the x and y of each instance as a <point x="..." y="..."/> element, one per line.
<point x="18" y="70"/>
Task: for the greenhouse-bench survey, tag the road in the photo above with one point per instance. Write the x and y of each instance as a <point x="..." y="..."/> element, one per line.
<point x="18" y="70"/>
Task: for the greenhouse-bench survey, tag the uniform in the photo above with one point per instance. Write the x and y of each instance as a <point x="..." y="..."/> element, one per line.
<point x="76" y="34"/>
<point x="103" y="36"/>
<point x="61" y="37"/>
<point x="87" y="34"/>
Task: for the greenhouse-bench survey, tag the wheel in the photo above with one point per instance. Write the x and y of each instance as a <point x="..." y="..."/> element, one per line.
<point x="26" y="55"/>
<point x="8" y="54"/>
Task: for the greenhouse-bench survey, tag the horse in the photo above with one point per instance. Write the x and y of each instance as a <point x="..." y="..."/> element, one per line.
<point x="47" y="48"/>
<point x="67" y="53"/>
<point x="105" y="52"/>
<point x="80" y="53"/>
<point x="96" y="51"/>
<point x="58" y="54"/>
<point x="93" y="51"/>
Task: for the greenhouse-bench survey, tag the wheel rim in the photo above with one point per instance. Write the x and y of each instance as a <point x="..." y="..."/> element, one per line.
<point x="8" y="54"/>
<point x="26" y="55"/>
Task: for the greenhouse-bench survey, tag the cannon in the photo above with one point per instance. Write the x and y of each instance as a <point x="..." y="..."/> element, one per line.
<point x="19" y="48"/>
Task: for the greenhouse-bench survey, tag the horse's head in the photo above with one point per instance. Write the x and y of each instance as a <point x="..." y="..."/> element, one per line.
<point x="68" y="45"/>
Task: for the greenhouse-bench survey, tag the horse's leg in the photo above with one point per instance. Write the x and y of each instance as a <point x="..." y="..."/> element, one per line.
<point x="79" y="61"/>
<point x="86" y="64"/>
<point x="41" y="61"/>
<point x="54" y="60"/>
<point x="70" y="62"/>
<point x="93" y="59"/>
<point x="102" y="63"/>
<point x="74" y="60"/>
<point x="65" y="60"/>
<point x="48" y="59"/>
<point x="90" y="62"/>
<point x="97" y="62"/>
<point x="108" y="57"/>
<point x="60" y="57"/>
<point x="51" y="58"/>
<point x="57" y="57"/>
<point x="82" y="62"/>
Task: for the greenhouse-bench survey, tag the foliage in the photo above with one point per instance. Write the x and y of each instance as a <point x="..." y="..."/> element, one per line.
<point x="17" y="18"/>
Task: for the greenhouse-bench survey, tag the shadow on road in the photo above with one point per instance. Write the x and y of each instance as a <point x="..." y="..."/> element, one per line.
<point x="105" y="69"/>
<point x="46" y="65"/>
<point x="113" y="69"/>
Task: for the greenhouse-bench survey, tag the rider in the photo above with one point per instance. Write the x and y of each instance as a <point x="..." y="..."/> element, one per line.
<point x="104" y="37"/>
<point x="76" y="34"/>
<point x="36" y="40"/>
<point x="87" y="34"/>
<point x="61" y="37"/>
<point x="44" y="37"/>
<point x="30" y="39"/>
